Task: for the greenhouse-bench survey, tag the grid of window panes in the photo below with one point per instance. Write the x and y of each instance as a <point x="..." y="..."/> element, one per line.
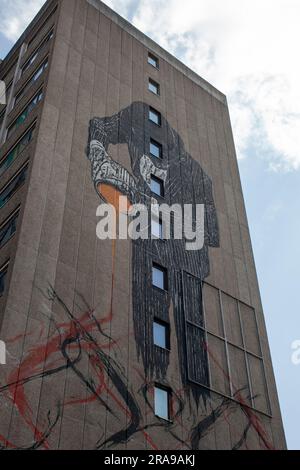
<point x="157" y="186"/>
<point x="236" y="365"/>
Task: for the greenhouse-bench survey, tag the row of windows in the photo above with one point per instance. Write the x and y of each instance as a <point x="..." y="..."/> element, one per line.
<point x="35" y="54"/>
<point x="34" y="77"/>
<point x="31" y="81"/>
<point x="26" y="111"/>
<point x="13" y="185"/>
<point x="17" y="150"/>
<point x="8" y="228"/>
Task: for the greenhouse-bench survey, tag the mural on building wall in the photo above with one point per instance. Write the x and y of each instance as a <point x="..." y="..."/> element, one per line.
<point x="80" y="345"/>
<point x="184" y="183"/>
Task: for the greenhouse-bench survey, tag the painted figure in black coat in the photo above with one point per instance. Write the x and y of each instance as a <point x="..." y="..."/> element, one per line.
<point x="184" y="183"/>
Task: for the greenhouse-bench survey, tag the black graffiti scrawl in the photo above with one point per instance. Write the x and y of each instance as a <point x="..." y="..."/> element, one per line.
<point x="184" y="183"/>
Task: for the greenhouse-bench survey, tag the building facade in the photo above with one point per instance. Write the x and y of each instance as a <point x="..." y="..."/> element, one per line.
<point x="123" y="344"/>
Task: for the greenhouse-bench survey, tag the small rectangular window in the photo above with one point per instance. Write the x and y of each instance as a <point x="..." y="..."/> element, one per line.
<point x="154" y="87"/>
<point x="157" y="186"/>
<point x="155" y="116"/>
<point x="159" y="277"/>
<point x="162" y="402"/>
<point x="152" y="60"/>
<point x="155" y="149"/>
<point x="3" y="274"/>
<point x="161" y="334"/>
<point x="156" y="228"/>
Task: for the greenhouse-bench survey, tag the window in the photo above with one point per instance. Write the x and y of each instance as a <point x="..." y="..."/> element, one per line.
<point x="153" y="87"/>
<point x="156" y="228"/>
<point x="152" y="60"/>
<point x="32" y="80"/>
<point x="2" y="114"/>
<point x="157" y="186"/>
<point x="33" y="56"/>
<point x="162" y="402"/>
<point x="155" y="149"/>
<point x="8" y="228"/>
<point x="15" y="183"/>
<point x="22" y="117"/>
<point x="161" y="334"/>
<point x="159" y="277"/>
<point x="155" y="116"/>
<point x="3" y="274"/>
<point x="8" y="160"/>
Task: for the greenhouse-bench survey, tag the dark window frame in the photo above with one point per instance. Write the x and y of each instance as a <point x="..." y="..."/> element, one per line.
<point x="166" y="325"/>
<point x="169" y="397"/>
<point x="3" y="273"/>
<point x="165" y="277"/>
<point x="161" y="184"/>
<point x="153" y="58"/>
<point x="155" y="85"/>
<point x="28" y="131"/>
<point x="25" y="168"/>
<point x="158" y="146"/>
<point x="13" y="216"/>
<point x="157" y="114"/>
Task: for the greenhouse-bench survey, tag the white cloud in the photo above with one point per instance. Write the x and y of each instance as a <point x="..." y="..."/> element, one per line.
<point x="16" y="15"/>
<point x="248" y="49"/>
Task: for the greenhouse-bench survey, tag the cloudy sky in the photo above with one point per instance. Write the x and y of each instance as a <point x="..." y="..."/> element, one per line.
<point x="250" y="51"/>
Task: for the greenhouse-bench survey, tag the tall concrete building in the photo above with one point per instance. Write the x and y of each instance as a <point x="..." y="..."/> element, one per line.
<point x="127" y="343"/>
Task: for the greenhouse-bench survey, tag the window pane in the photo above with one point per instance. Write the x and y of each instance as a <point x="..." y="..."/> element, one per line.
<point x="153" y="87"/>
<point x="13" y="186"/>
<point x="152" y="60"/>
<point x="3" y="274"/>
<point x="156" y="228"/>
<point x="20" y="119"/>
<point x="155" y="116"/>
<point x="8" y="230"/>
<point x="155" y="149"/>
<point x="16" y="151"/>
<point x="161" y="399"/>
<point x="157" y="186"/>
<point x="160" y="335"/>
<point x="159" y="277"/>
